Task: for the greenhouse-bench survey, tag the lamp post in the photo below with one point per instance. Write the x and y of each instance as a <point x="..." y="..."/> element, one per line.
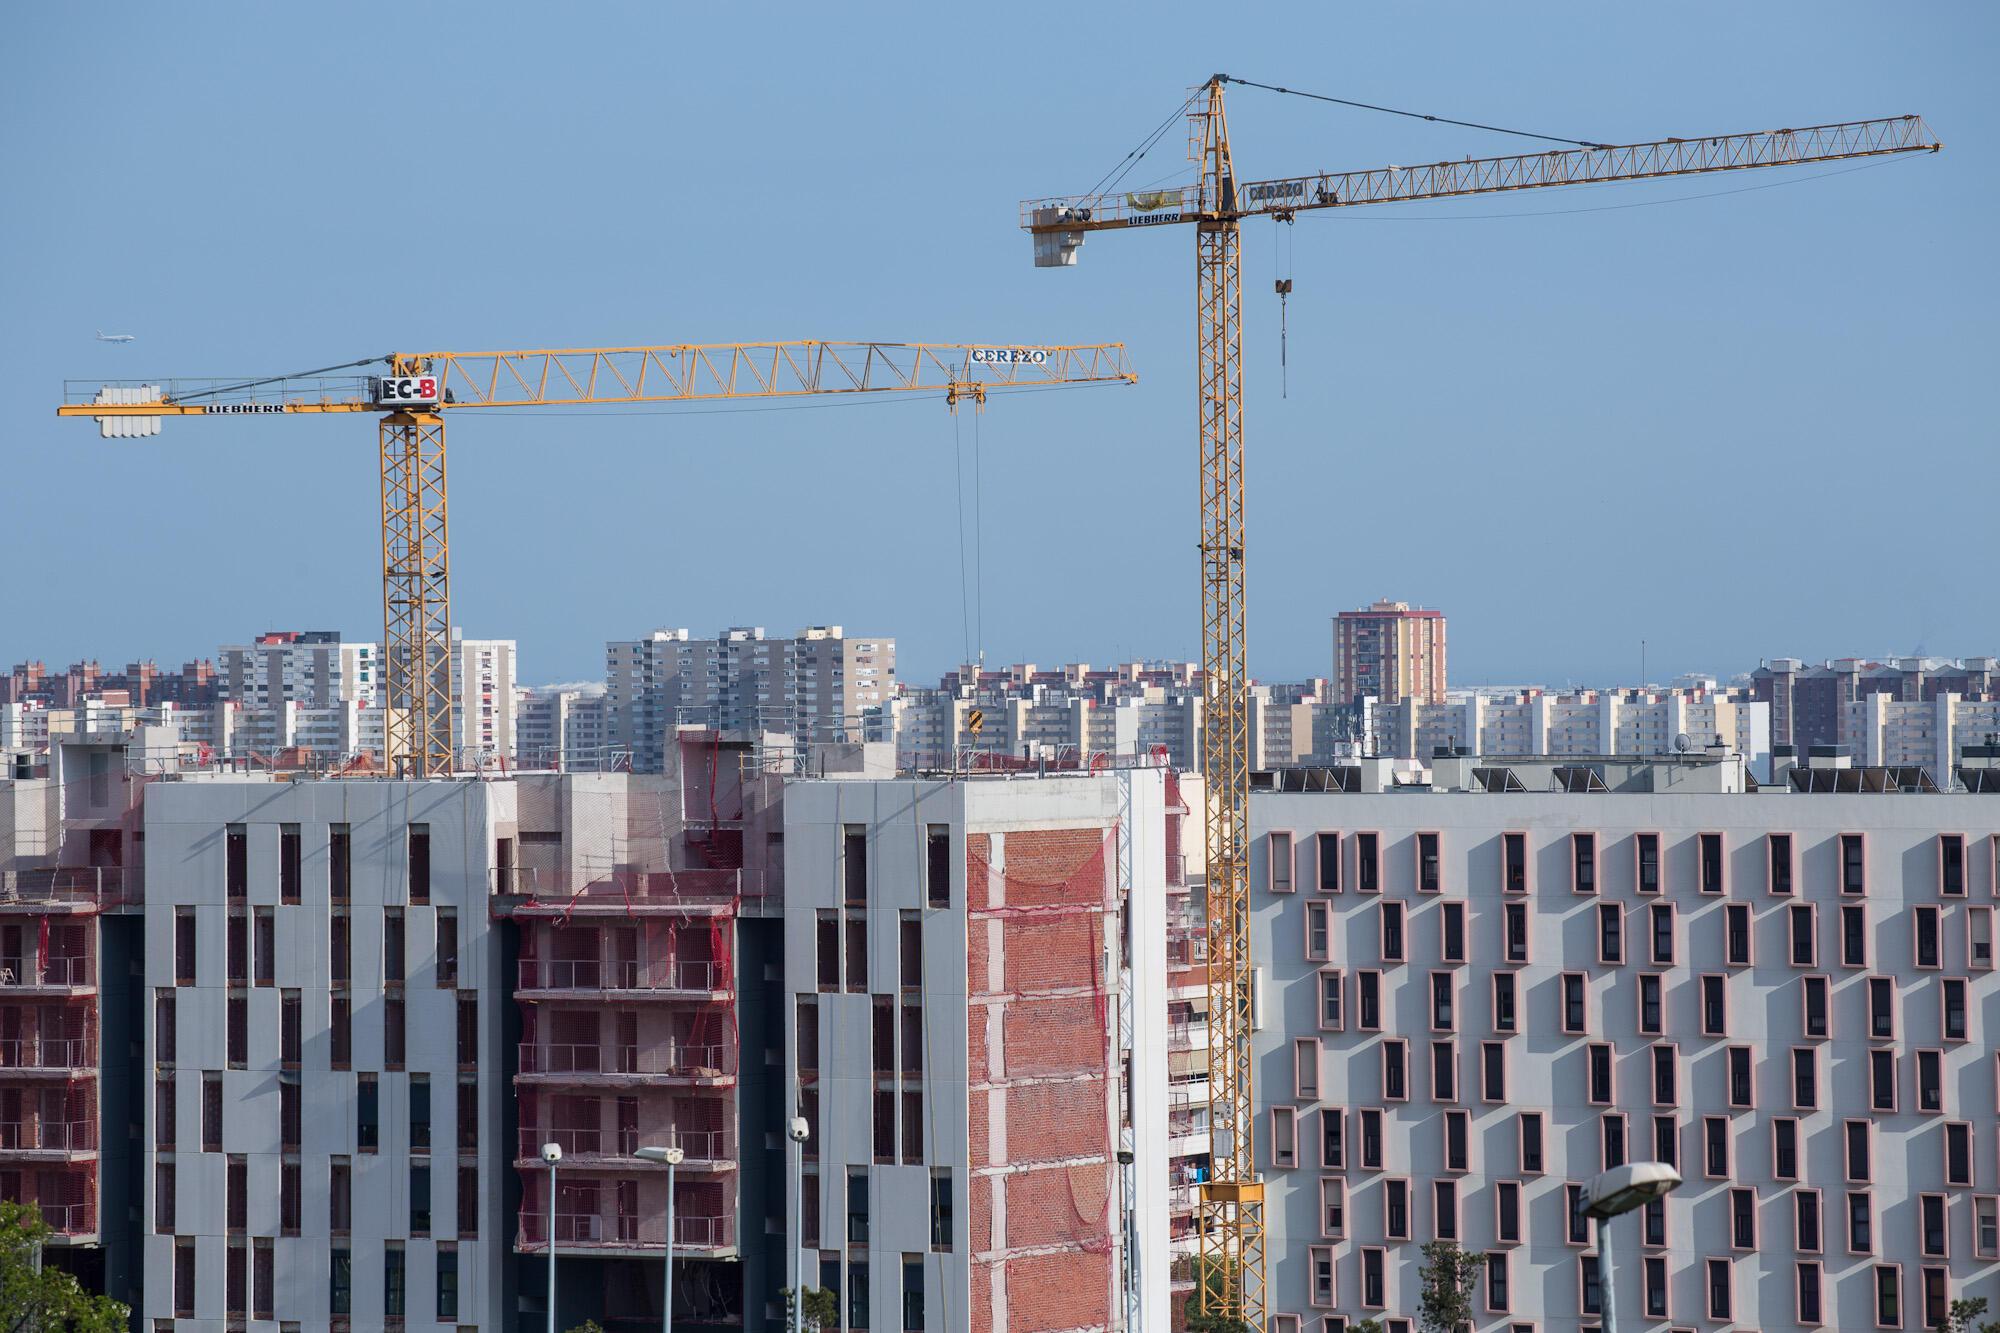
<point x="797" y="1131"/>
<point x="552" y="1153"/>
<point x="672" y="1157"/>
<point x="1619" y="1191"/>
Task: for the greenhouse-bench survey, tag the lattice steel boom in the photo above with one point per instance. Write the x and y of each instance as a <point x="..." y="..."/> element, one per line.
<point x="1232" y="1208"/>
<point x="419" y="387"/>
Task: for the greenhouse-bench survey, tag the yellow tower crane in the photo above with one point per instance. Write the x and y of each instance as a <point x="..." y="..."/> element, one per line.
<point x="1232" y="1206"/>
<point x="419" y="388"/>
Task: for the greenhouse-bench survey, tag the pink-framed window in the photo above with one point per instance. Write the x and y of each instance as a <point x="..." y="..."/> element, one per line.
<point x="1930" y="1081"/>
<point x="1493" y="1072"/>
<point x="1575" y="999"/>
<point x="1373" y="1151"/>
<point x="1395" y="1070"/>
<point x="1451" y="932"/>
<point x="1738" y="939"/>
<point x="1514" y="932"/>
<point x="1326" y="862"/>
<point x="1278" y="846"/>
<point x="1319" y="931"/>
<point x="1589" y="1296"/>
<point x="1368" y="862"/>
<point x="1332" y="1138"/>
<point x="1394" y="936"/>
<point x="1284" y="1137"/>
<point x="1802" y="927"/>
<point x="1784" y="1148"/>
<point x="1979" y="938"/>
<point x="1374" y="1283"/>
<point x="1444" y="1210"/>
<point x="1739" y="1069"/>
<point x="1396" y="1208"/>
<point x="1610" y="934"/>
<point x="1986" y="1226"/>
<point x="1598" y="1080"/>
<point x="1937" y="1295"/>
<point x="1742" y="1219"/>
<point x="1721" y="1290"/>
<point x="1888" y="1295"/>
<point x="1499" y="1293"/>
<point x="1715" y="1147"/>
<point x="1808" y="1221"/>
<point x="1515" y="873"/>
<point x="1506" y="1000"/>
<point x="1954" y="1018"/>
<point x="1657" y="1295"/>
<point x="1333" y="1207"/>
<point x="1853" y="864"/>
<point x="1860" y="1208"/>
<point x="1816" y="1007"/>
<point x="1781" y="869"/>
<point x="1444" y="1070"/>
<point x="1650" y="994"/>
<point x="1368" y="1000"/>
<point x="1853" y="935"/>
<point x="1951" y="865"/>
<point x="1332" y="1000"/>
<point x="1807" y="1306"/>
<point x="1667" y="1140"/>
<point x="1958" y="1154"/>
<point x="1934" y="1226"/>
<point x="1305" y="1068"/>
<point x="1284" y="1323"/>
<point x="1714" y="1004"/>
<point x="1583" y="863"/>
<point x="1430" y="862"/>
<point x="1612" y="1140"/>
<point x="1325" y="1290"/>
<point x="1528" y="1142"/>
<point x="1881" y="1009"/>
<point x="1927" y="937"/>
<point x="1444" y="1001"/>
<point x="1711" y="864"/>
<point x="1858" y="1154"/>
<point x="1458" y="1141"/>
<point x="1662" y="933"/>
<point x="1646" y="862"/>
<point x="1666" y="1073"/>
<point x="1576" y="1226"/>
<point x="1805" y="1078"/>
<point x="1507" y="1215"/>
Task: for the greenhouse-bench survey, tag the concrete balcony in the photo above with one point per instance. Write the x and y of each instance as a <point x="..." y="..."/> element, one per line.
<point x="594" y="1065"/>
<point x="692" y="980"/>
<point x="708" y="1151"/>
<point x="59" y="977"/>
<point x="63" y="1058"/>
<point x="47" y="1141"/>
<point x="599" y="1233"/>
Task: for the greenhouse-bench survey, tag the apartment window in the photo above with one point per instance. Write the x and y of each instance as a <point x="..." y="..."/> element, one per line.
<point x="1493" y="1071"/>
<point x="1332" y="1207"/>
<point x="236" y="1021"/>
<point x="290" y="1198"/>
<point x="1395" y="1070"/>
<point x="1859" y="1146"/>
<point x="1514" y="927"/>
<point x="290" y="861"/>
<point x="1853" y="864"/>
<point x="1930" y="1082"/>
<point x="392" y="1280"/>
<point x="420" y="863"/>
<point x="1597" y="1063"/>
<point x="263" y="1277"/>
<point x="184" y="946"/>
<point x="1652" y="1016"/>
<point x="1451" y="918"/>
<point x="1720" y="1304"/>
<point x="1654" y="1275"/>
<point x="1806" y="1236"/>
<point x="1368" y="862"/>
<point x="163" y="1198"/>
<point x="1958" y="1154"/>
<point x="1396" y="1209"/>
<point x="1591" y="1294"/>
<point x="393" y="946"/>
<point x="1332" y="988"/>
<point x="447" y="1282"/>
<point x="1708" y="848"/>
<point x="1936" y="1296"/>
<point x="340" y="1281"/>
<point x="339" y="862"/>
<point x="941" y="1213"/>
<point x="937" y="865"/>
<point x="164" y="1034"/>
<point x="1714" y="1006"/>
<point x="1779" y="846"/>
<point x="1579" y="1225"/>
<point x="1279" y="846"/>
<point x="266" y="962"/>
<point x="1457" y="1141"/>
<point x="236" y="954"/>
<point x="1799" y="918"/>
<point x="1881" y="1008"/>
<point x="1583" y="862"/>
<point x="211" y="1113"/>
<point x="1646" y="847"/>
<point x="1497" y="1297"/>
<point x="1305" y="1068"/>
<point x="1888" y="1296"/>
<point x="1333" y="1139"/>
<point x="1951" y="865"/>
<point x="1429" y="876"/>
<point x="1326" y="858"/>
<point x="1444" y="1011"/>
<point x="1860" y="1223"/>
<point x="1986" y="1227"/>
<point x="291" y="1117"/>
<point x="854" y="864"/>
<point x="184" y="1277"/>
<point x="1284" y="1137"/>
<point x="1979" y="938"/>
<point x="1531" y="1143"/>
<point x="1319" y="931"/>
<point x="1805" y="1078"/>
<point x="828" y="937"/>
<point x="1514" y="862"/>
<point x="1444" y="1071"/>
<point x="1882" y="1080"/>
<point x="1853" y="935"/>
<point x="1320" y="1259"/>
<point x="1715" y="1147"/>
<point x="1931" y="1225"/>
<point x="1504" y="990"/>
<point x="1813" y="999"/>
<point x="1371" y="1139"/>
<point x="1444" y="1209"/>
<point x="393" y="1031"/>
<point x="340" y="949"/>
<point x="339" y="1196"/>
<point x="857" y="1205"/>
<point x="856" y="927"/>
<point x="468" y="1201"/>
<point x="1661" y="915"/>
<point x="1742" y="1087"/>
<point x="1666" y="1081"/>
<point x="1930" y="954"/>
<point x="447" y="948"/>
<point x="1575" y="1014"/>
<point x="1507" y="1212"/>
<point x="1954" y="1022"/>
<point x="468" y="1029"/>
<point x="1743" y="1219"/>
<point x="420" y="1113"/>
<point x="1611" y="1140"/>
<point x="1736" y="934"/>
<point x="1368" y="1001"/>
<point x="165" y="1117"/>
<point x="1392" y="931"/>
<point x="367" y="1112"/>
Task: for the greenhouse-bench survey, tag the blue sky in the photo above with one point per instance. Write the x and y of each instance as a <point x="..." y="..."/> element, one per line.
<point x="1737" y="426"/>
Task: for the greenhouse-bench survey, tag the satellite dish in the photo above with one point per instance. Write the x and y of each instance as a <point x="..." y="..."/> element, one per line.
<point x="1682" y="742"/>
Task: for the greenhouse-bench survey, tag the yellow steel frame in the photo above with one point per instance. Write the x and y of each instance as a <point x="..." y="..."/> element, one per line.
<point x="416" y="595"/>
<point x="416" y="550"/>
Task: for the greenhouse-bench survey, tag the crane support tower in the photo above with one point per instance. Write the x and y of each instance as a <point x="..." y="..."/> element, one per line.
<point x="417" y="389"/>
<point x="1215" y="203"/>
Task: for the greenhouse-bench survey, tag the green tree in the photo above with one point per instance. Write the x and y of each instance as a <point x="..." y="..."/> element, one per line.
<point x="39" y="1298"/>
<point x="1215" y="1280"/>
<point x="820" y="1309"/>
<point x="1963" y="1317"/>
<point x="1366" y="1326"/>
<point x="1450" y="1276"/>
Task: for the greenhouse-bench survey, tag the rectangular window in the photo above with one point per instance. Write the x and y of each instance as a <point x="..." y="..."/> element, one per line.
<point x="266" y="940"/>
<point x="1742" y="1086"/>
<point x="1332" y="1208"/>
<point x="1590" y="1293"/>
<point x="1736" y="934"/>
<point x="856" y="928"/>
<point x="1305" y="1068"/>
<point x="1493" y="1071"/>
<point x="1371" y="1139"/>
<point x="468" y="1202"/>
<point x="1860" y="1144"/>
<point x="828" y="938"/>
<point x="1507" y="1212"/>
<point x="394" y="948"/>
<point x="291" y="1192"/>
<point x="1373" y="1293"/>
<point x="857" y="1205"/>
<point x="1882" y="1080"/>
<point x="1332" y="989"/>
<point x="1853" y="864"/>
<point x="1888" y="1296"/>
<point x="1284" y="1137"/>
<point x="263" y="1281"/>
<point x="1319" y="931"/>
<point x="1368" y="862"/>
<point x="340" y="1281"/>
<point x="340" y="949"/>
<point x="1951" y="865"/>
<point x="1430" y="878"/>
<point x="1860" y="1223"/>
<point x="1278" y="846"/>
<point x="184" y="946"/>
<point x="1575" y="1010"/>
<point x="1579" y="1225"/>
<point x="1931" y="1229"/>
<point x="447" y="948"/>
<point x="1985" y="1227"/>
<point x="1497" y="1296"/>
<point x="1514" y="929"/>
<point x="1817" y="1019"/>
<point x="1979" y="938"/>
<point x="1531" y="1143"/>
<point x="236" y="861"/>
<point x="1326" y="860"/>
<point x="291" y="1115"/>
<point x="468" y="1029"/>
<point x="937" y="865"/>
<point x="1611" y="1141"/>
<point x="1514" y="862"/>
<point x="420" y="1196"/>
<point x="1392" y="931"/>
<point x="1457" y="1141"/>
<point x="1805" y="1078"/>
<point x="163" y="1198"/>
<point x="1451" y="919"/>
<point x="1444" y="1209"/>
<point x="1806" y="1237"/>
<point x="1368" y="1001"/>
<point x="339" y="1196"/>
<point x="1743" y="1219"/>
<point x="910" y="951"/>
<point x="1597" y="1064"/>
<point x="237" y="1022"/>
<point x="447" y="1282"/>
<point x="941" y="1211"/>
<point x="1666" y="1080"/>
<point x="1779" y="846"/>
<point x="420" y="863"/>
<point x="1652" y="1013"/>
<point x="236" y="954"/>
<point x="1395" y="1070"/>
<point x="854" y="864"/>
<point x="1804" y="929"/>
<point x="211" y="1113"/>
<point x="1396" y="1209"/>
<point x="1646" y="850"/>
<point x="1928" y="937"/>
<point x="1661" y="915"/>
<point x="394" y="1039"/>
<point x="290" y="862"/>
<point x="1583" y="862"/>
<point x="1953" y="1009"/>
<point x="1958" y="1154"/>
<point x="1333" y="1138"/>
<point x="1715" y="1147"/>
<point x="1610" y="934"/>
<point x="1505" y="987"/>
<point x="1666" y="1140"/>
<point x="1444" y="1007"/>
<point x="420" y="1113"/>
<point x="184" y="1277"/>
<point x="339" y="863"/>
<point x="1654" y="1296"/>
<point x="1320" y="1264"/>
<point x="1881" y="1008"/>
<point x="1721" y="1306"/>
<point x="1714" y="1005"/>
<point x="1930" y="1082"/>
<point x="1853" y="935"/>
<point x="340" y="1030"/>
<point x="1936" y="1296"/>
<point x="1708" y="848"/>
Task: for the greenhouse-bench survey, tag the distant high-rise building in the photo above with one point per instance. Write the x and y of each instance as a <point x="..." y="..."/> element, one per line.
<point x="314" y="668"/>
<point x="1808" y="703"/>
<point x="1389" y="652"/>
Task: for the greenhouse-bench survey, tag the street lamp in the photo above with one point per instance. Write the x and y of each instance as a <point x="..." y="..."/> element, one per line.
<point x="552" y="1153"/>
<point x="1617" y="1191"/>
<point x="672" y="1157"/>
<point x="798" y="1131"/>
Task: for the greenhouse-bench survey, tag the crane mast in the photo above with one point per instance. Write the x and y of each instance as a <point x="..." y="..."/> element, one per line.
<point x="1232" y="1201"/>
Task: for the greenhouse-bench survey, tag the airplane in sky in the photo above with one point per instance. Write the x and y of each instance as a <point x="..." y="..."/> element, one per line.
<point x="104" y="337"/>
